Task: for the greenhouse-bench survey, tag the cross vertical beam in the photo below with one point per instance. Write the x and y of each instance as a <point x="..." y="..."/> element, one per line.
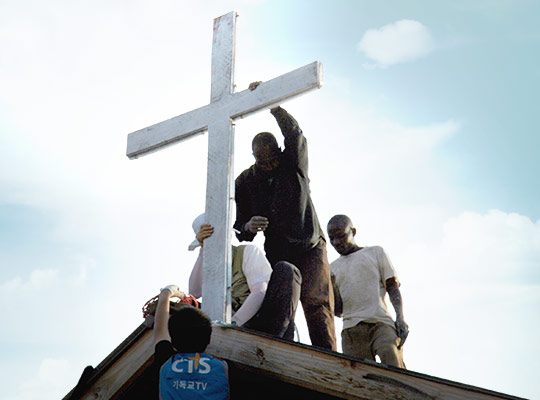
<point x="217" y="255"/>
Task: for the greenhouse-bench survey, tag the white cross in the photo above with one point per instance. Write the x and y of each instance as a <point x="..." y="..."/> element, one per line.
<point x="217" y="118"/>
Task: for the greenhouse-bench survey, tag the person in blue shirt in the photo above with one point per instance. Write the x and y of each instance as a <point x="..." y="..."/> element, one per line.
<point x="185" y="371"/>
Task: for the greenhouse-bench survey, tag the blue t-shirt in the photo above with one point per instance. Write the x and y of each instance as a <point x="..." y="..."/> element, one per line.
<point x="193" y="376"/>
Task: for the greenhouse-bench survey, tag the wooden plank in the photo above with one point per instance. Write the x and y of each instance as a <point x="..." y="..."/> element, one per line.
<point x="334" y="373"/>
<point x="302" y="365"/>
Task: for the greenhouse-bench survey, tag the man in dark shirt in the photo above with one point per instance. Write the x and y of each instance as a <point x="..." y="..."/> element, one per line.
<point x="273" y="196"/>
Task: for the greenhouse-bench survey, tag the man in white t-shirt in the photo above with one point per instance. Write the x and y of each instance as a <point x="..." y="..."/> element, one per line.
<point x="263" y="299"/>
<point x="362" y="276"/>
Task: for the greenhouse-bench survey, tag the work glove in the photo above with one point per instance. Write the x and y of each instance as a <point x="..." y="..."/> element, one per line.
<point x="175" y="291"/>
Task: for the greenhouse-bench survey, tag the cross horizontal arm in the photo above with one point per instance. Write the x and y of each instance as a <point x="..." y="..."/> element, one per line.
<point x="174" y="130"/>
<point x="238" y="105"/>
<point x="277" y="90"/>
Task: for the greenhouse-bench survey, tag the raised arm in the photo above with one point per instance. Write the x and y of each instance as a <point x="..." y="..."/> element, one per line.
<point x="295" y="142"/>
<point x="392" y="287"/>
<point x="161" y="321"/>
<point x="288" y="125"/>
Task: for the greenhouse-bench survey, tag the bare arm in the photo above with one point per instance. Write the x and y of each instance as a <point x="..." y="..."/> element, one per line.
<point x="161" y="331"/>
<point x="288" y="125"/>
<point x="338" y="302"/>
<point x="295" y="142"/>
<point x="161" y="321"/>
<point x="394" y="293"/>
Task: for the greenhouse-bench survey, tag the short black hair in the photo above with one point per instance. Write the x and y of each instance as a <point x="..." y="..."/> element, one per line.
<point x="190" y="330"/>
<point x="340" y="219"/>
<point x="264" y="139"/>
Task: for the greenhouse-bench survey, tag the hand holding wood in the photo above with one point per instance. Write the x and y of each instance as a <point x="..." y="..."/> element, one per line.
<point x="205" y="232"/>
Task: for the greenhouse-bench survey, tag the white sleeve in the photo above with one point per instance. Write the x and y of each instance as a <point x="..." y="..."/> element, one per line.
<point x="387" y="269"/>
<point x="251" y="305"/>
<point x="195" y="279"/>
<point x="255" y="266"/>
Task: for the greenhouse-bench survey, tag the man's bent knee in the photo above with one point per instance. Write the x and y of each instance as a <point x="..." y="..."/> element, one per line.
<point x="288" y="271"/>
<point x="390" y="355"/>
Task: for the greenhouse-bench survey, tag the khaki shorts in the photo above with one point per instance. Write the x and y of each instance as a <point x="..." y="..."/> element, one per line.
<point x="366" y="340"/>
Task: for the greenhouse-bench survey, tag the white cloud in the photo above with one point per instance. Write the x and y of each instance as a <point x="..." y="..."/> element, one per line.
<point x="51" y="369"/>
<point x="49" y="382"/>
<point x="395" y="43"/>
<point x="42" y="294"/>
<point x="46" y="279"/>
<point x="375" y="161"/>
<point x="477" y="283"/>
<point x="495" y="246"/>
<point x="38" y="279"/>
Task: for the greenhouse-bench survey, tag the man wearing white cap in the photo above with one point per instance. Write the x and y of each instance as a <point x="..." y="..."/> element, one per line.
<point x="263" y="299"/>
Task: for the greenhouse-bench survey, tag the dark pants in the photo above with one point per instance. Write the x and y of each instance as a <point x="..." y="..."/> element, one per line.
<point x="317" y="295"/>
<point x="276" y="315"/>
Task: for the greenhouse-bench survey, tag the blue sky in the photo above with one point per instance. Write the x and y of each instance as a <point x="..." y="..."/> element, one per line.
<point x="424" y="133"/>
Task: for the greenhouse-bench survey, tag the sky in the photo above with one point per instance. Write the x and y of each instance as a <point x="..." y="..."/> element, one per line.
<point x="424" y="133"/>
